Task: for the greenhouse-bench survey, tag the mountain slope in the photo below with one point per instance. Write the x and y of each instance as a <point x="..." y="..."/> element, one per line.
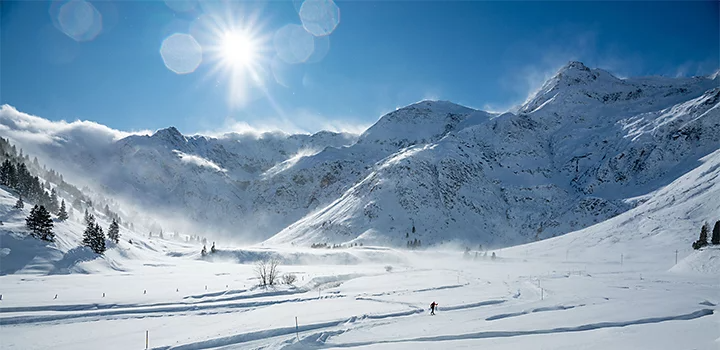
<point x="668" y="219"/>
<point x="554" y="168"/>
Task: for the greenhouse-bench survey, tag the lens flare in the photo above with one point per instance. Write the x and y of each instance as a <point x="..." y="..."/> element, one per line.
<point x="181" y="53"/>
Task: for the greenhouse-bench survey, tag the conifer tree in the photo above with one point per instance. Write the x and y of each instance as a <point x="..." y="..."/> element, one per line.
<point x="62" y="213"/>
<point x="89" y="218"/>
<point x="703" y="240"/>
<point x="114" y="232"/>
<point x="716" y="233"/>
<point x="53" y="205"/>
<point x="40" y="223"/>
<point x="212" y="249"/>
<point x="99" y="240"/>
<point x="19" y="204"/>
<point x="89" y="231"/>
<point x="203" y="252"/>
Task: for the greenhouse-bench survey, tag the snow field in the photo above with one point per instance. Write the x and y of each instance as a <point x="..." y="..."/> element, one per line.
<point x="497" y="304"/>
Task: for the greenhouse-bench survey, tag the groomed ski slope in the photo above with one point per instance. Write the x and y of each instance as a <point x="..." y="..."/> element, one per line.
<point x="614" y="285"/>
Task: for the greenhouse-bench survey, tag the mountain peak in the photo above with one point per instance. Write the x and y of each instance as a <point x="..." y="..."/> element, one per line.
<point x="574" y="65"/>
<point x="171" y="133"/>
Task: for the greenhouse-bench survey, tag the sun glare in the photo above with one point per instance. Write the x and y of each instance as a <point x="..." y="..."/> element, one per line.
<point x="238" y="49"/>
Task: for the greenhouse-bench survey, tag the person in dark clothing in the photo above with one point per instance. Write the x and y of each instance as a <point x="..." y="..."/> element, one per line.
<point x="432" y="307"/>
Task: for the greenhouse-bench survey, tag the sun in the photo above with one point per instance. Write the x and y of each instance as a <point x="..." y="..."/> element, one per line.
<point x="238" y="49"/>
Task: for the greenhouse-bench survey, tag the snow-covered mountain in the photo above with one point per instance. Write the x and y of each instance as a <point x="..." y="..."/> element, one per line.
<point x="572" y="156"/>
<point x="582" y="145"/>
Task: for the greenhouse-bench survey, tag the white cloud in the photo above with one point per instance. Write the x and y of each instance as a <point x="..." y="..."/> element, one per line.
<point x="198" y="161"/>
<point x="26" y="128"/>
<point x="299" y="122"/>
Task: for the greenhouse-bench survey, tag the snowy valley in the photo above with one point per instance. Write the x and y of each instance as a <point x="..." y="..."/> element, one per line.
<point x="567" y="224"/>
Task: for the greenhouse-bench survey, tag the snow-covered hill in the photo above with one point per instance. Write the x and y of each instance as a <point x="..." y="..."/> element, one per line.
<point x="667" y="220"/>
<point x="434" y="171"/>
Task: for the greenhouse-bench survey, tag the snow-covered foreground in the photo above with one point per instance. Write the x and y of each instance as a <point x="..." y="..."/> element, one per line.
<point x="508" y="303"/>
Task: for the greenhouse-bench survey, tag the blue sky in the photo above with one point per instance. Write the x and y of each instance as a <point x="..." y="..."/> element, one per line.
<point x="381" y="55"/>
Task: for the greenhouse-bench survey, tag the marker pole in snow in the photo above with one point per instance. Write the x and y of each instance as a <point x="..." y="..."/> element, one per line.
<point x="297" y="334"/>
<point x="147" y="339"/>
<point x="542" y="294"/>
<point x="621" y="259"/>
<point x="676" y="256"/>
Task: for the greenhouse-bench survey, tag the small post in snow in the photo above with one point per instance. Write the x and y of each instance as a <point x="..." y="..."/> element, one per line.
<point x="55" y="296"/>
<point x="542" y="295"/>
<point x="103" y="295"/>
<point x="676" y="251"/>
<point x="621" y="259"/>
<point x="205" y="287"/>
<point x="297" y="334"/>
<point x="147" y="339"/>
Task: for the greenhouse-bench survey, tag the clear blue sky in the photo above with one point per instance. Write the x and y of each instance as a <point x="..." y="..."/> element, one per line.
<point x="381" y="55"/>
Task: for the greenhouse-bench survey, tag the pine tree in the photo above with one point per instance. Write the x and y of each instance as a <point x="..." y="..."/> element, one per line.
<point x="89" y="218"/>
<point x="89" y="232"/>
<point x="53" y="205"/>
<point x="40" y="223"/>
<point x="203" y="252"/>
<point x="62" y="213"/>
<point x="31" y="222"/>
<point x="212" y="249"/>
<point x="99" y="240"/>
<point x="716" y="233"/>
<point x="114" y="232"/>
<point x="19" y="204"/>
<point x="703" y="240"/>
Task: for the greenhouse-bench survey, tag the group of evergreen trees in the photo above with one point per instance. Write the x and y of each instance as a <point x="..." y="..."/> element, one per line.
<point x="703" y="239"/>
<point x="334" y="246"/>
<point x="17" y="176"/>
<point x="17" y="173"/>
<point x="414" y="244"/>
<point x="204" y="251"/>
<point x="94" y="237"/>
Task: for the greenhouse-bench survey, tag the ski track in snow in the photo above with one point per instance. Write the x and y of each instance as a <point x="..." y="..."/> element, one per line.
<point x="505" y="334"/>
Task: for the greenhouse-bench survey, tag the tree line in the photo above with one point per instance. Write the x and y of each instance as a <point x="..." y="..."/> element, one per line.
<point x="23" y="176"/>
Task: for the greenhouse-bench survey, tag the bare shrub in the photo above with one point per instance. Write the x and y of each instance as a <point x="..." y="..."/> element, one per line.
<point x="388" y="268"/>
<point x="267" y="272"/>
<point x="289" y="278"/>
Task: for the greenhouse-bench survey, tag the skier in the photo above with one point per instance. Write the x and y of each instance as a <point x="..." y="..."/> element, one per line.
<point x="432" y="308"/>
